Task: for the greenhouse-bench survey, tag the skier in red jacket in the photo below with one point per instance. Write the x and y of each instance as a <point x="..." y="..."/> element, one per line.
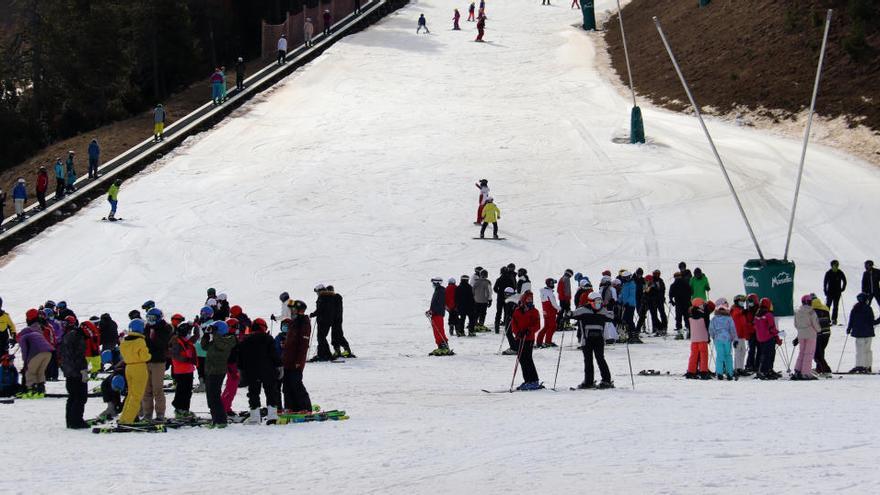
<point x="42" y="186"/>
<point x="525" y="323"/>
<point x="450" y="305"/>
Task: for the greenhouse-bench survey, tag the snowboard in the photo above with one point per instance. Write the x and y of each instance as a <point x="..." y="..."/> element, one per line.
<point x="490" y="238"/>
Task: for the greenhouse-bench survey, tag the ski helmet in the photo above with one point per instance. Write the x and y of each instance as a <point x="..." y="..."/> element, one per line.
<point x="299" y="306"/>
<point x="259" y="325"/>
<point x="436" y="280"/>
<point x="451" y="280"/>
<point x="48" y="313"/>
<point x="235" y="311"/>
<point x="465" y="278"/>
<point x="484" y="273"/>
<point x="31" y="316"/>
<point x="330" y="288"/>
<point x="221" y="297"/>
<point x="649" y="278"/>
<point x="478" y="269"/>
<point x="522" y="272"/>
<point x="232" y="323"/>
<point x="319" y="287"/>
<point x="807" y="299"/>
<point x="721" y="302"/>
<point x="656" y="273"/>
<point x="482" y="181"/>
<point x="154" y="315"/>
<point x="61" y="305"/>
<point x="148" y="305"/>
<point x="212" y="292"/>
<point x="626" y="274"/>
<point x="767" y="304"/>
<point x="206" y="313"/>
<point x="117" y="383"/>
<point x="49" y="304"/>
<point x="583" y="282"/>
<point x="134" y="315"/>
<point x="550" y="282"/>
<point x="220" y="328"/>
<point x="70" y="322"/>
<point x="136" y="326"/>
<point x="509" y="291"/>
<point x="578" y="276"/>
<point x="177" y="318"/>
<point x="184" y="329"/>
<point x="284" y="296"/>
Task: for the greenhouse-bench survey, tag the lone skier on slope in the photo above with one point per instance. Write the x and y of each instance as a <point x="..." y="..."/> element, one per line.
<point x="481" y="28"/>
<point x="491" y="214"/>
<point x="113" y="199"/>
<point x="423" y="23"/>
<point x="456" y="16"/>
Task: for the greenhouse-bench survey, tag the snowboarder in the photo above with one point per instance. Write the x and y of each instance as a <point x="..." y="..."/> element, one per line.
<point x="871" y="282"/>
<point x="328" y="19"/>
<point x="76" y="374"/>
<point x="482" y="299"/>
<point x="807" y="324"/>
<point x="723" y="332"/>
<point x="218" y="346"/>
<point x="472" y="10"/>
<point x="699" y="285"/>
<point x="309" y="31"/>
<point x="282" y="49"/>
<point x="422" y="24"/>
<point x="483" y="186"/>
<point x="491" y="214"/>
<point x="216" y="86"/>
<point x="834" y="285"/>
<point x="59" y="178"/>
<point x="551" y="311"/>
<point x="19" y="196"/>
<point x="504" y="281"/>
<point x="592" y="318"/>
<point x="136" y="355"/>
<point x="159" y="123"/>
<point x="240" y="69"/>
<point x="158" y="337"/>
<point x="296" y="347"/>
<point x="824" y="316"/>
<point x="464" y="306"/>
<point x="259" y="361"/>
<point x="183" y="367"/>
<point x="481" y="28"/>
<point x="768" y="338"/>
<point x="680" y="297"/>
<point x="699" y="316"/>
<point x="525" y="323"/>
<point x="435" y="313"/>
<point x="113" y="198"/>
<point x="337" y="336"/>
<point x="94" y="157"/>
<point x="456" y="16"/>
<point x="42" y="188"/>
<point x="861" y="327"/>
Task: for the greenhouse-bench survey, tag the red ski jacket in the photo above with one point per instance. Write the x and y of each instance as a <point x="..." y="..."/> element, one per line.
<point x="743" y="323"/>
<point x="450" y="297"/>
<point x="525" y="322"/>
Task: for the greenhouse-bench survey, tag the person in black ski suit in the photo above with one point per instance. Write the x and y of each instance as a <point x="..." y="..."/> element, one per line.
<point x="76" y="374"/>
<point x="323" y="314"/>
<point x="465" y="306"/>
<point x="655" y="293"/>
<point x="522" y="278"/>
<point x="641" y="300"/>
<point x="680" y="297"/>
<point x="109" y="334"/>
<point x="504" y="281"/>
<point x="337" y="337"/>
<point x="871" y="282"/>
<point x="258" y="359"/>
<point x="834" y="286"/>
<point x="591" y="319"/>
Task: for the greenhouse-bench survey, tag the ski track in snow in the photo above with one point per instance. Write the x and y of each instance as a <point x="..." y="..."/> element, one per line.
<point x="358" y="171"/>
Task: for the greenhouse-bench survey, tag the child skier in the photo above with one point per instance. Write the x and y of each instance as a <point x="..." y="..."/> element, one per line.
<point x="260" y="363"/>
<point x="19" y="197"/>
<point x="490" y="214"/>
<point x="76" y="374"/>
<point x="699" y="319"/>
<point x="483" y="186"/>
<point x="551" y="311"/>
<point x="183" y="366"/>
<point x="296" y="347"/>
<point x="218" y="345"/>
<point x="113" y="198"/>
<point x="456" y="16"/>
<point x="525" y="323"/>
<point x="136" y="355"/>
<point x="422" y="24"/>
<point x="482" y="298"/>
<point x="723" y="332"/>
<point x="472" y="10"/>
<point x="824" y="316"/>
<point x="742" y="321"/>
<point x="807" y="324"/>
<point x="217" y="86"/>
<point x="768" y="338"/>
<point x="435" y="313"/>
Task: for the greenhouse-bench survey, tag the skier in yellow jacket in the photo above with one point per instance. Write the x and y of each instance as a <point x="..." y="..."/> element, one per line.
<point x="135" y="354"/>
<point x="491" y="214"/>
<point x="7" y="329"/>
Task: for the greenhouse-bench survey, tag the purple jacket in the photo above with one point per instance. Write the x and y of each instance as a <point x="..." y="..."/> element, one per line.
<point x="58" y="328"/>
<point x="32" y="342"/>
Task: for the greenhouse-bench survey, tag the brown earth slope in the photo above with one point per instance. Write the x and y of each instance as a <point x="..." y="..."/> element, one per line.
<point x="757" y="54"/>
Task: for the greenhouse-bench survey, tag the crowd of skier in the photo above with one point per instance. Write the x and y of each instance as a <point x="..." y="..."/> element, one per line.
<point x="744" y="331"/>
<point x="221" y="345"/>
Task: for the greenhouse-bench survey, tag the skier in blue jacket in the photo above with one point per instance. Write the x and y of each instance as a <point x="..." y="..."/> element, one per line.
<point x="19" y="196"/>
<point x="628" y="301"/>
<point x="94" y="156"/>
<point x="59" y="179"/>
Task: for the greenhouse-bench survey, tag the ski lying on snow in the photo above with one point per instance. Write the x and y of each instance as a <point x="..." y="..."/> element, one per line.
<point x="157" y="428"/>
<point x="490" y="238"/>
<point x="112" y="219"/>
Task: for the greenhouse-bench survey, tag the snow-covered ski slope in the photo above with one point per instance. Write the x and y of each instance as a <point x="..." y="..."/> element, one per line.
<point x="358" y="171"/>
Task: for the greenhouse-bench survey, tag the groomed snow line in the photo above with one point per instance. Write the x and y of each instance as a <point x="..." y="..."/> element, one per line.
<point x="358" y="171"/>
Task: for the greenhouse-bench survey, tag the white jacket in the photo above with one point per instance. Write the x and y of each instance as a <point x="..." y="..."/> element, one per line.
<point x="549" y="295"/>
<point x="285" y="312"/>
<point x="310" y="28"/>
<point x="282" y="44"/>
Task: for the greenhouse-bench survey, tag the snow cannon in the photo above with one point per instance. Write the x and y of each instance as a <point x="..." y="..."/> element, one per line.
<point x="636" y="127"/>
<point x="589" y="11"/>
<point x="773" y="279"/>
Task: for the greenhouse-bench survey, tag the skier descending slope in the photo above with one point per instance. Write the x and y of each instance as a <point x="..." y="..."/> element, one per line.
<point x="481" y="28"/>
<point x="483" y="186"/>
<point x="456" y="16"/>
<point x="436" y="313"/>
<point x="592" y="318"/>
<point x="525" y="324"/>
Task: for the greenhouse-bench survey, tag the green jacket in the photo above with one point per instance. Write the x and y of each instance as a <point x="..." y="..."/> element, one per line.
<point x="113" y="193"/>
<point x="699" y="287"/>
<point x="218" y="350"/>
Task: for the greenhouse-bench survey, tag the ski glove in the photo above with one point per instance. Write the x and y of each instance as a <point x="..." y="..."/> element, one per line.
<point x="280" y="372"/>
<point x="273" y="317"/>
<point x="85" y="376"/>
<point x="794" y="342"/>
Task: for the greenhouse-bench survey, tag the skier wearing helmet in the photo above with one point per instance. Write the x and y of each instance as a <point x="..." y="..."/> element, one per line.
<point x="551" y="311"/>
<point x="293" y="358"/>
<point x="768" y="338"/>
<point x="436" y="312"/>
<point x="218" y="346"/>
<point x="592" y="319"/>
<point x="239" y="74"/>
<point x="259" y="361"/>
<point x="158" y="338"/>
<point x="525" y="323"/>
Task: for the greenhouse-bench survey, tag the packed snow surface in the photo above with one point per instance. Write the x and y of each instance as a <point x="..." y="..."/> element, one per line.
<point x="358" y="171"/>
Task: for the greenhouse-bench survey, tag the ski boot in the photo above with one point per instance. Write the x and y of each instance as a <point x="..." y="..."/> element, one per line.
<point x="679" y="335"/>
<point x="509" y="352"/>
<point x="690" y="376"/>
<point x="586" y="385"/>
<point x="272" y="416"/>
<point x="605" y="385"/>
<point x="348" y="354"/>
<point x="200" y="388"/>
<point x="525" y="386"/>
<point x="550" y="344"/>
<point x="337" y="353"/>
<point x="253" y="418"/>
<point x="705" y="375"/>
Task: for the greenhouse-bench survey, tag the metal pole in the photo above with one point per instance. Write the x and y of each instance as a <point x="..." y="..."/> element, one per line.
<point x="626" y="54"/>
<point x="559" y="359"/>
<point x="709" y="137"/>
<point x="797" y="188"/>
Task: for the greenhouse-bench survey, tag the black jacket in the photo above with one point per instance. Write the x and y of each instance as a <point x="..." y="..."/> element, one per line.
<point x="464" y="298"/>
<point x="158" y="337"/>
<point x="325" y="307"/>
<point x="73" y="353"/>
<point x="501" y="283"/>
<point x="109" y="332"/>
<point x="257" y="355"/>
<point x="680" y="292"/>
<point x="835" y="283"/>
<point x="871" y="281"/>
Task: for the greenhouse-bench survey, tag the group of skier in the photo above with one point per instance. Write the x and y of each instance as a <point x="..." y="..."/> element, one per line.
<point x="479" y="18"/>
<point x="745" y="334"/>
<point x="220" y="344"/>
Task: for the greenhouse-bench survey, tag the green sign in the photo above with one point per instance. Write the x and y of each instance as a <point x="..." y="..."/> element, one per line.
<point x="773" y="279"/>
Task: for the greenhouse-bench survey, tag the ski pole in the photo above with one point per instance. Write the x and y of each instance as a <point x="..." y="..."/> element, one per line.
<point x="522" y="343"/>
<point x="503" y="336"/>
<point x="841" y="352"/>
<point x="629" y="359"/>
<point x="558" y="359"/>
